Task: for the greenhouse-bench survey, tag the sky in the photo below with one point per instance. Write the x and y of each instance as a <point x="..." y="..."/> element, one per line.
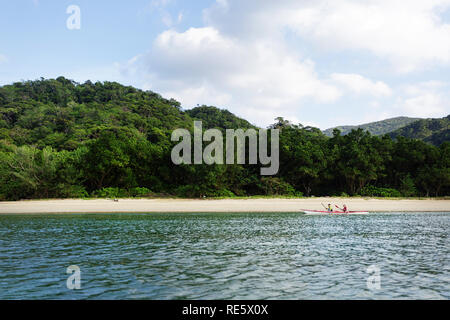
<point x="315" y="62"/>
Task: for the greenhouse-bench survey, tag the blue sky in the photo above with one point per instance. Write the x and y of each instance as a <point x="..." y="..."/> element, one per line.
<point x="316" y="62"/>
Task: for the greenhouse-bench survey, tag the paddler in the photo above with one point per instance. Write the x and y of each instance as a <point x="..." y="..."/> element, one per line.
<point x="330" y="208"/>
<point x="344" y="208"/>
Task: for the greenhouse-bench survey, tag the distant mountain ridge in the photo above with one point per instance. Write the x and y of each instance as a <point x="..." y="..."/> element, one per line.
<point x="376" y="128"/>
<point x="434" y="131"/>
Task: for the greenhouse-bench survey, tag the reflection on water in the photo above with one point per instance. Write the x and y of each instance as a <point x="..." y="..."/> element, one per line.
<point x="225" y="256"/>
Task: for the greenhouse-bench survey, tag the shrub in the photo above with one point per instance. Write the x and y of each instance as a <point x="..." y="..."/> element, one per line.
<point x="110" y="193"/>
<point x="140" y="192"/>
<point x="224" y="193"/>
<point x="73" y="191"/>
<point x="372" y="191"/>
<point x="407" y="187"/>
<point x="188" y="191"/>
<point x="277" y="186"/>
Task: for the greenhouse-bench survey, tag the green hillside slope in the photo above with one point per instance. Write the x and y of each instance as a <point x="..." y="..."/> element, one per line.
<point x="434" y="131"/>
<point x="376" y="128"/>
<point x="63" y="114"/>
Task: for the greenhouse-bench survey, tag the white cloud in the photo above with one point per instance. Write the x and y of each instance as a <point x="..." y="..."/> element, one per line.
<point x="425" y="105"/>
<point x="410" y="35"/>
<point x="244" y="60"/>
<point x="360" y="85"/>
<point x="3" y="58"/>
<point x="167" y="19"/>
<point x="426" y="99"/>
<point x="202" y="66"/>
<point x="160" y="7"/>
<point x="424" y="87"/>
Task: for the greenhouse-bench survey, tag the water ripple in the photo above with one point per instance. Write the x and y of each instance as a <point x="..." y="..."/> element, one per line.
<point x="225" y="256"/>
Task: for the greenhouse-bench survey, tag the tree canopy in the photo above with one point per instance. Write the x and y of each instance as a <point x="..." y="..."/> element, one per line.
<point x="61" y="139"/>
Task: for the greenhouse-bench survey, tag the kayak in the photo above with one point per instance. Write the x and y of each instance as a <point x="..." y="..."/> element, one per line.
<point x="334" y="213"/>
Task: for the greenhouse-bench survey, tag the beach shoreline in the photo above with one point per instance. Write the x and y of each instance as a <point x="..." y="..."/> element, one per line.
<point x="222" y="205"/>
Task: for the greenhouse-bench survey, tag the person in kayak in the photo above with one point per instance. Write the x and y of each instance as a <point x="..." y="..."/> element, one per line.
<point x="330" y="208"/>
<point x="344" y="208"/>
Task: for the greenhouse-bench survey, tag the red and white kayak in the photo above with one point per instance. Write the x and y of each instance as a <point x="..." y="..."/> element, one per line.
<point x="334" y="213"/>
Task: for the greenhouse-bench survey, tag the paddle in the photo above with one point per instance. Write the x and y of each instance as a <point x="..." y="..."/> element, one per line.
<point x="342" y="209"/>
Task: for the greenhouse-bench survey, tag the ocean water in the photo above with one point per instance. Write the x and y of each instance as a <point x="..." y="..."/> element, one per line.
<point x="226" y="256"/>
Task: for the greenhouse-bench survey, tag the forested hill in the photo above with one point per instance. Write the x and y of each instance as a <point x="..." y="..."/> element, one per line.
<point x="213" y="117"/>
<point x="434" y="131"/>
<point x="63" y="114"/>
<point x="375" y="128"/>
<point x="61" y="139"/>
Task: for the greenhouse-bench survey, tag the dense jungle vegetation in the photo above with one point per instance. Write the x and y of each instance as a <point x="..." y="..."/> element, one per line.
<point x="61" y="139"/>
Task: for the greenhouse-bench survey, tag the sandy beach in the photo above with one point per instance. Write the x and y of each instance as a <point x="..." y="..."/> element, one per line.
<point x="226" y="205"/>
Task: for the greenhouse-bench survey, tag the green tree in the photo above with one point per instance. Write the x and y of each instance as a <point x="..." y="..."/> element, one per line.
<point x="29" y="172"/>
